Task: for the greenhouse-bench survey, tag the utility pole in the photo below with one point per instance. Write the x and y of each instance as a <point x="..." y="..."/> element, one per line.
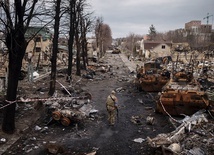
<point x="207" y="17"/>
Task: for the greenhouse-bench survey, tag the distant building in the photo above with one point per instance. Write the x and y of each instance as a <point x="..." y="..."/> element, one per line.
<point x="202" y="32"/>
<point x="154" y="49"/>
<point x="3" y="48"/>
<point x="91" y="50"/>
<point x="40" y="44"/>
<point x="196" y="27"/>
<point x="193" y="25"/>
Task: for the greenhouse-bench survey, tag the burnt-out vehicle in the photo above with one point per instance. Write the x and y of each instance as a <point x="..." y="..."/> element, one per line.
<point x="151" y="77"/>
<point x="70" y="109"/>
<point x="116" y="51"/>
<point x="182" y="95"/>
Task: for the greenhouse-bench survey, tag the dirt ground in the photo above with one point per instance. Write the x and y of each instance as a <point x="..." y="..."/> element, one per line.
<point x="93" y="135"/>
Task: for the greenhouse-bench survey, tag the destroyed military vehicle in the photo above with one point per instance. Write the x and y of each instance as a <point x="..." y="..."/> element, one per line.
<point x="151" y="77"/>
<point x="182" y="95"/>
<point x="75" y="109"/>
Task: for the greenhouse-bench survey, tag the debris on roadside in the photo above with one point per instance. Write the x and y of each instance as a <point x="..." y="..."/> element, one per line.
<point x="139" y="140"/>
<point x="92" y="153"/>
<point x="120" y="89"/>
<point x="3" y="140"/>
<point x="150" y="120"/>
<point x="193" y="132"/>
<point x="54" y="148"/>
<point x="75" y="109"/>
<point x="136" y="120"/>
<point x="37" y="128"/>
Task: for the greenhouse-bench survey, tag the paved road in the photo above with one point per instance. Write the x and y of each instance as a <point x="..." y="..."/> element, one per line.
<point x="95" y="134"/>
<point x="130" y="64"/>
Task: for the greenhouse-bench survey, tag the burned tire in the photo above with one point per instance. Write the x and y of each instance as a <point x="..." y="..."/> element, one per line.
<point x="65" y="121"/>
<point x="56" y="115"/>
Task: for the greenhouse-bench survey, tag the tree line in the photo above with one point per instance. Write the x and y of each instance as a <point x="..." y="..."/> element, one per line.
<point x="72" y="18"/>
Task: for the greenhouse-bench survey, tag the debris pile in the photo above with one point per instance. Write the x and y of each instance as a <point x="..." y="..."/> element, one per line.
<point x="194" y="134"/>
<point x="93" y="69"/>
<point x="75" y="109"/>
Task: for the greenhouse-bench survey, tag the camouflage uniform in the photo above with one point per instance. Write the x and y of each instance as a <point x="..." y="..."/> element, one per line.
<point x="111" y="105"/>
<point x="30" y="67"/>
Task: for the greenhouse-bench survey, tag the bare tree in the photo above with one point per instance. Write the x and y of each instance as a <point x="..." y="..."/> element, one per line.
<point x="78" y="26"/>
<point x="55" y="48"/>
<point x="79" y="9"/>
<point x="106" y="37"/>
<point x="152" y="32"/>
<point x="16" y="19"/>
<point x="103" y="36"/>
<point x="72" y="19"/>
<point x="98" y="32"/>
<point x="86" y="25"/>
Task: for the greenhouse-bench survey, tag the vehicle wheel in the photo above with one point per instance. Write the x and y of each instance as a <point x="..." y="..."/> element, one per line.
<point x="65" y="121"/>
<point x="56" y="115"/>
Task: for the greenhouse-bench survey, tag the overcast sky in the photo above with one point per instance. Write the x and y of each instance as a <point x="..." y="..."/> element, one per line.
<point x="136" y="16"/>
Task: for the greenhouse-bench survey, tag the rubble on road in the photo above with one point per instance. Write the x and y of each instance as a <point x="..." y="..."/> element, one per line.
<point x="139" y="140"/>
<point x="54" y="148"/>
<point x="92" y="70"/>
<point x="194" y="132"/>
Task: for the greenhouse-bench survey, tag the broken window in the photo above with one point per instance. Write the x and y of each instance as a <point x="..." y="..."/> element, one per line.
<point x="38" y="39"/>
<point x="163" y="46"/>
<point x="38" y="49"/>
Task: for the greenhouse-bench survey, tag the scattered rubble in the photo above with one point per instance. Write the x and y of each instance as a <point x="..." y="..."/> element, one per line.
<point x="54" y="148"/>
<point x="139" y="140"/>
<point x="194" y="135"/>
<point x="195" y="131"/>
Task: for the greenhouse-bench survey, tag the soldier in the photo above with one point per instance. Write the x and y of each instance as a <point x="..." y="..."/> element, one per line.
<point x="111" y="105"/>
<point x="30" y="67"/>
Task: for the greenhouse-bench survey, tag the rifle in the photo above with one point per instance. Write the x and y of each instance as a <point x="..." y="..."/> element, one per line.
<point x="117" y="113"/>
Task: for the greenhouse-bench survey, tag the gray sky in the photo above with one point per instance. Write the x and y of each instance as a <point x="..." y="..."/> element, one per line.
<point x="136" y="16"/>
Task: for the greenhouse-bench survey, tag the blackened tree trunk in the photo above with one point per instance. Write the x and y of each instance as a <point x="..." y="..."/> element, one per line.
<point x="83" y="40"/>
<point x="71" y="39"/>
<point x="86" y="27"/>
<point x="77" y="38"/>
<point x="55" y="49"/>
<point x="16" y="45"/>
<point x="78" y="69"/>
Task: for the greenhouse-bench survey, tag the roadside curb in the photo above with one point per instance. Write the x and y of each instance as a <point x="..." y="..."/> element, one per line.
<point x="130" y="64"/>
